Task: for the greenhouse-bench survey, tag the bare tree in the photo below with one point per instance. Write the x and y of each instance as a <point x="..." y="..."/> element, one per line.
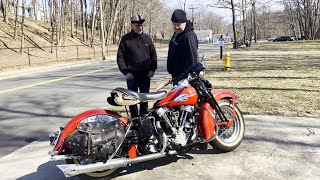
<point x="16" y="19"/>
<point x="306" y="14"/>
<point x="254" y="20"/>
<point x="5" y="9"/>
<point x="114" y="10"/>
<point x="235" y="42"/>
<point x="34" y="8"/>
<point x="83" y="17"/>
<point x="229" y="5"/>
<point x="52" y="21"/>
<point x="45" y="12"/>
<point x="93" y="20"/>
<point x="72" y="11"/>
<point x="102" y="30"/>
<point x="244" y="11"/>
<point x="22" y="25"/>
<point x="64" y="13"/>
<point x="86" y="19"/>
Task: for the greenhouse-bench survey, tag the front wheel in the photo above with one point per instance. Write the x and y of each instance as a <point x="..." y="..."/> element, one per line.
<point x="229" y="138"/>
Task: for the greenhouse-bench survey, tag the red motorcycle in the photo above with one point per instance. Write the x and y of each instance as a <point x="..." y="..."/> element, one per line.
<point x="98" y="142"/>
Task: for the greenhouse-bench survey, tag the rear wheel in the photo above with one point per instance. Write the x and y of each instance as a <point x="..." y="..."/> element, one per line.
<point x="107" y="172"/>
<point x="229" y="138"/>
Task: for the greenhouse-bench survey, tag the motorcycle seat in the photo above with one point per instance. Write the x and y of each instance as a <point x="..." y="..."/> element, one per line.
<point x="143" y="97"/>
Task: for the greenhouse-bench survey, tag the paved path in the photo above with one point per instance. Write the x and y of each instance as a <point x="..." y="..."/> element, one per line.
<point x="273" y="148"/>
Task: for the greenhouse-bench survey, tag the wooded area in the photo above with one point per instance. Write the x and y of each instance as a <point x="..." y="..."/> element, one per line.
<point x="105" y="21"/>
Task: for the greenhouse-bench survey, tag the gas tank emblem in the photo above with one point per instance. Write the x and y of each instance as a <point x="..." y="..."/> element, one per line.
<point x="181" y="98"/>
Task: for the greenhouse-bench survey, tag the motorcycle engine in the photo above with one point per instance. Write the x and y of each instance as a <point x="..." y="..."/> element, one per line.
<point x="183" y="121"/>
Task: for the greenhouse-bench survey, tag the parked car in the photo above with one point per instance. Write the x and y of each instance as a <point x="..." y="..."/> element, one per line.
<point x="301" y="38"/>
<point x="270" y="39"/>
<point x="283" y="38"/>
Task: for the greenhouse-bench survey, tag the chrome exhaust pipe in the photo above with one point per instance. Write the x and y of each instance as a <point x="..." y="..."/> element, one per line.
<point x="76" y="169"/>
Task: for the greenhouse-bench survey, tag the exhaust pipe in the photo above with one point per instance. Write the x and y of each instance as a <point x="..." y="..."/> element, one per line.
<point x="76" y="169"/>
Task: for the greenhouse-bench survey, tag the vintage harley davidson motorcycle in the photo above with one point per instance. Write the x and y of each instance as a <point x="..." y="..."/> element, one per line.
<point x="98" y="142"/>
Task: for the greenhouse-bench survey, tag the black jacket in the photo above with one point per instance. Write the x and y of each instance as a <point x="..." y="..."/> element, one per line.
<point x="136" y="53"/>
<point x="183" y="51"/>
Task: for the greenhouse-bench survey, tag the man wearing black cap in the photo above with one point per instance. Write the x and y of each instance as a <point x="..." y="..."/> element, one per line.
<point x="183" y="47"/>
<point x="137" y="60"/>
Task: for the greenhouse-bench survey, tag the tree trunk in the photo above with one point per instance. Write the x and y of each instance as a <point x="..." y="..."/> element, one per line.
<point x="45" y="11"/>
<point x="64" y="18"/>
<point x="102" y="31"/>
<point x="72" y="18"/>
<point x="52" y="21"/>
<point x="244" y="11"/>
<point x="56" y="21"/>
<point x="251" y="29"/>
<point x="114" y="15"/>
<point x="16" y="20"/>
<point x="254" y="21"/>
<point x="22" y="25"/>
<point x="34" y="11"/>
<point x="83" y="21"/>
<point x="235" y="43"/>
<point x="93" y="21"/>
<point x="5" y="9"/>
<point x="86" y="19"/>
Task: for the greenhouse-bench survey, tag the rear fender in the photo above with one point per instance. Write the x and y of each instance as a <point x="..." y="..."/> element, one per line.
<point x="73" y="124"/>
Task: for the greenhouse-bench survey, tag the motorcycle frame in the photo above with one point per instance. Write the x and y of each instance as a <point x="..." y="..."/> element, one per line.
<point x="212" y="96"/>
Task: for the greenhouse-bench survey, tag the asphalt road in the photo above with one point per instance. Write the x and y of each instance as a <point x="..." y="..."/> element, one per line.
<point x="37" y="102"/>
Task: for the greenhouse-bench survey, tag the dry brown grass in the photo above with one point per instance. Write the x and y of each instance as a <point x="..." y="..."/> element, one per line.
<point x="37" y="34"/>
<point x="272" y="78"/>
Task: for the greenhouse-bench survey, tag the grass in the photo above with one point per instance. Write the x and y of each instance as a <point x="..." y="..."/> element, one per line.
<point x="272" y="78"/>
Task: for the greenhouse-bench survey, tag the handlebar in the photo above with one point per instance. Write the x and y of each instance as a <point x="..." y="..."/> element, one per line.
<point x="189" y="76"/>
<point x="164" y="85"/>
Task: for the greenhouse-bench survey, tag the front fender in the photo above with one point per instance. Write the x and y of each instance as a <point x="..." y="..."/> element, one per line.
<point x="224" y="94"/>
<point x="73" y="124"/>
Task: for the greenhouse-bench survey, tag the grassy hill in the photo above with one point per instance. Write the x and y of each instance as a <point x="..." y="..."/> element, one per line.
<point x="37" y="46"/>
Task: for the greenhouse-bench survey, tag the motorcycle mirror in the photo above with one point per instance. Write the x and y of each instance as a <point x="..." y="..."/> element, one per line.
<point x="201" y="73"/>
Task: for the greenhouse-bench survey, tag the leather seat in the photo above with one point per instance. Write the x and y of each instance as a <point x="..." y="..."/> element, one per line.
<point x="143" y="97"/>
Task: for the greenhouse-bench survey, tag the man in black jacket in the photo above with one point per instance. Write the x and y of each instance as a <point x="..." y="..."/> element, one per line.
<point x="137" y="60"/>
<point x="183" y="47"/>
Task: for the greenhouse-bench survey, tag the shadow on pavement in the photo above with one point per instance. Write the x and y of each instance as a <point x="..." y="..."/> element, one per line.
<point x="47" y="171"/>
<point x="50" y="171"/>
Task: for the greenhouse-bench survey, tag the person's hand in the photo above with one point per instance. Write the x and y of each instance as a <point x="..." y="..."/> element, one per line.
<point x="151" y="74"/>
<point x="129" y="76"/>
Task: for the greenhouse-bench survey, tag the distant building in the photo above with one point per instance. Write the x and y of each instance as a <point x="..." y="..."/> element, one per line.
<point x="204" y="36"/>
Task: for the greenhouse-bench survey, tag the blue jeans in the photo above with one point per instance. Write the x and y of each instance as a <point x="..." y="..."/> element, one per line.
<point x="140" y="81"/>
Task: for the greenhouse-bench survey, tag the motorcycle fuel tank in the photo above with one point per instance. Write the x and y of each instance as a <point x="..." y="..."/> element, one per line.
<point x="180" y="97"/>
